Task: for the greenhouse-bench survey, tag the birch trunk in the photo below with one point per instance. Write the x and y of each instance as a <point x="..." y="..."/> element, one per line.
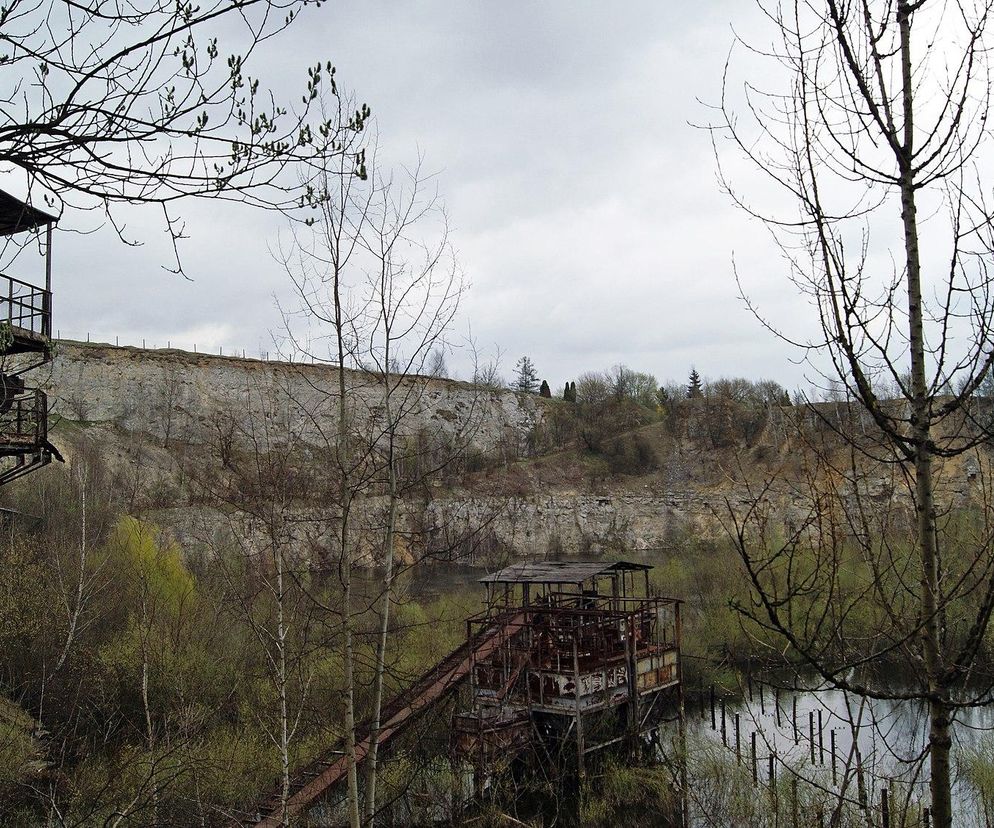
<point x="940" y="741"/>
<point x="281" y="670"/>
<point x="346" y="560"/>
<point x="77" y="608"/>
<point x="381" y="647"/>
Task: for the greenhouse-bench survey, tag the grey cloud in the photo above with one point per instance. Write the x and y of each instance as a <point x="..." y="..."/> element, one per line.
<point x="585" y="208"/>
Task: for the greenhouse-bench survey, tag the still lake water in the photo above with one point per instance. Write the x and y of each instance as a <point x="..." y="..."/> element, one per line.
<point x="890" y="738"/>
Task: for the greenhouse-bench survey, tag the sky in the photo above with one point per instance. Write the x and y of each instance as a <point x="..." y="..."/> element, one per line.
<point x="584" y="204"/>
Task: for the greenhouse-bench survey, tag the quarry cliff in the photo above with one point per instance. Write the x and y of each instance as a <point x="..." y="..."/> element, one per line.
<point x="159" y="418"/>
<point x="178" y="395"/>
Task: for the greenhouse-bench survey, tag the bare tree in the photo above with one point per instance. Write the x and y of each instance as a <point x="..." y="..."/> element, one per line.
<point x="77" y="576"/>
<point x="882" y="117"/>
<point x="159" y="105"/>
<point x="487" y="375"/>
<point x="437" y="366"/>
<point x="415" y="294"/>
<point x="319" y="266"/>
<point x="383" y="300"/>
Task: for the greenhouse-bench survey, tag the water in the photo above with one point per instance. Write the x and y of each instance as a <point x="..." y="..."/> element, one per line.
<point x="884" y="741"/>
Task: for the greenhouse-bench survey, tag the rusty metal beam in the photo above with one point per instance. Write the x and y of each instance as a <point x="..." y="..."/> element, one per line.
<point x="436" y="690"/>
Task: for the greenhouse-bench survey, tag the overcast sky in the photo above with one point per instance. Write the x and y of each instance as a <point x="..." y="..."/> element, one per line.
<point x="584" y="206"/>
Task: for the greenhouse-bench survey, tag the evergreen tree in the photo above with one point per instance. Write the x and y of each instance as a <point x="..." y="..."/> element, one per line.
<point x="695" y="388"/>
<point x="545" y="391"/>
<point x="569" y="392"/>
<point x="526" y="378"/>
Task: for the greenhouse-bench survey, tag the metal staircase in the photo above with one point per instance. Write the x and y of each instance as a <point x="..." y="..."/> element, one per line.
<point x="319" y="777"/>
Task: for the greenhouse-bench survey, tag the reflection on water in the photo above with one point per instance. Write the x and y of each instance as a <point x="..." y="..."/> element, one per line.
<point x="877" y="745"/>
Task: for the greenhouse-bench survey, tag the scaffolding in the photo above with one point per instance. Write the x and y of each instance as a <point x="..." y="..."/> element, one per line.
<point x="25" y="343"/>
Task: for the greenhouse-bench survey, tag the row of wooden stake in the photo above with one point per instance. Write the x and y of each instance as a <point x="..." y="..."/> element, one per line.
<point x="816" y="758"/>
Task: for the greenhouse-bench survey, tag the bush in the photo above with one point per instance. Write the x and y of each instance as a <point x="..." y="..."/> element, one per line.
<point x="626" y="795"/>
<point x="631" y="454"/>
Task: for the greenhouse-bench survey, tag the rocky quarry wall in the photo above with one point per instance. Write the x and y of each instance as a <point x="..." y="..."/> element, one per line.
<point x="145" y="407"/>
<point x="177" y="395"/>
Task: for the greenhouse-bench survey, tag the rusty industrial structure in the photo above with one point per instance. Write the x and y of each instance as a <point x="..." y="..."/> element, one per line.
<point x="567" y="659"/>
<point x="592" y="646"/>
<point x="25" y="343"/>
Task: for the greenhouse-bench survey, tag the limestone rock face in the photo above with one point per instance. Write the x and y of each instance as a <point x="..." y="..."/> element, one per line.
<point x="190" y="397"/>
<point x="158" y="417"/>
<point x="573" y="523"/>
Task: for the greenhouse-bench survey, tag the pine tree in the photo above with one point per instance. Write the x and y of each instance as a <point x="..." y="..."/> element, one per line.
<point x="526" y="379"/>
<point x="545" y="391"/>
<point x="694" y="389"/>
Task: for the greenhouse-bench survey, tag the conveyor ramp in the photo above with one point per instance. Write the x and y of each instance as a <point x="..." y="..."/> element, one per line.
<point x="320" y="776"/>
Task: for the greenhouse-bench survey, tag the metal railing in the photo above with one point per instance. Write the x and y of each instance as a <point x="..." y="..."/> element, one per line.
<point x="25" y="306"/>
<point x="572" y="641"/>
<point x="24" y="424"/>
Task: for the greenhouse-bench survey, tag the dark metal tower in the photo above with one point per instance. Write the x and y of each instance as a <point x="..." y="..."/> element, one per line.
<point x="25" y="343"/>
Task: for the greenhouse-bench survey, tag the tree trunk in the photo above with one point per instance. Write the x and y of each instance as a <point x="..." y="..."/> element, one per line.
<point x="346" y="563"/>
<point x="940" y="741"/>
<point x="77" y="607"/>
<point x="381" y="647"/>
<point x="149" y="731"/>
<point x="281" y="637"/>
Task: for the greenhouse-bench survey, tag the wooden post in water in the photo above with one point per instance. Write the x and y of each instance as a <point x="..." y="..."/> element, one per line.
<point x="738" y="742"/>
<point x="811" y="733"/>
<point x="701" y="700"/>
<point x="835" y="779"/>
<point x="821" y="739"/>
<point x="774" y="799"/>
<point x="724" y="737"/>
<point x="776" y="702"/>
<point x="749" y="680"/>
<point x="755" y="769"/>
<point x="797" y="737"/>
<point x="884" y="809"/>
<point x="713" y="726"/>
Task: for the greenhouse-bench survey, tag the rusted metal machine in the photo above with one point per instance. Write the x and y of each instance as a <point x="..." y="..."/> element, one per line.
<point x="567" y="655"/>
<point x="25" y="343"/>
<point x="594" y="665"/>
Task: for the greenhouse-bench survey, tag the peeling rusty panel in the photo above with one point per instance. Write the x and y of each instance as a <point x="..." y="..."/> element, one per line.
<point x="489" y="740"/>
<point x="656" y="674"/>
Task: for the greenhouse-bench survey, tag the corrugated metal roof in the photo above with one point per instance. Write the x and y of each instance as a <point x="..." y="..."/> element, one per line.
<point x="559" y="572"/>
